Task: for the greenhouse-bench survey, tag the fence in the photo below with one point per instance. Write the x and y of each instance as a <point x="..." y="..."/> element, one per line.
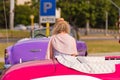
<point x="98" y="32"/>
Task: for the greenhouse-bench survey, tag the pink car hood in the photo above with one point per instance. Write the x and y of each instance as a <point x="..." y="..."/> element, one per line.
<point x="47" y="68"/>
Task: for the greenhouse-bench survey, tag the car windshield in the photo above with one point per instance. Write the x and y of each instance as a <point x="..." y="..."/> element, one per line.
<point x="38" y="33"/>
<point x="41" y="32"/>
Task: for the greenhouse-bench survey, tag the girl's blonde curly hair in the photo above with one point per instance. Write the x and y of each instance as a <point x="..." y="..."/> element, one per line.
<point x="61" y="26"/>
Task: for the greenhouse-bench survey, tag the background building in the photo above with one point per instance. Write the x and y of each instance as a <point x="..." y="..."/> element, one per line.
<point x="22" y="2"/>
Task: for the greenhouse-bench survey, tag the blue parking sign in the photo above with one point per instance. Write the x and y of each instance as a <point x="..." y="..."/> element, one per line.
<point x="47" y="7"/>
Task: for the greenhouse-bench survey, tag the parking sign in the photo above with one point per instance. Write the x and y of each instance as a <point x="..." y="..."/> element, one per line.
<point x="47" y="11"/>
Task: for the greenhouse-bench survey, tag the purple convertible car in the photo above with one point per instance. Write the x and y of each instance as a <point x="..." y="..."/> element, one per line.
<point x="29" y="49"/>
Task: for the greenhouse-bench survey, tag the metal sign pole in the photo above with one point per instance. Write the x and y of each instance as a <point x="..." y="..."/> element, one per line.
<point x="47" y="29"/>
<point x="32" y="25"/>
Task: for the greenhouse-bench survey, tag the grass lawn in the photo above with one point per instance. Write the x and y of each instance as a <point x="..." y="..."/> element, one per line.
<point x="1" y="65"/>
<point x="103" y="46"/>
<point x="2" y="48"/>
<point x="14" y="33"/>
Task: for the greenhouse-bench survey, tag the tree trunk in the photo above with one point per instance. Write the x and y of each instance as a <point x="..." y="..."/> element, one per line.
<point x="87" y="27"/>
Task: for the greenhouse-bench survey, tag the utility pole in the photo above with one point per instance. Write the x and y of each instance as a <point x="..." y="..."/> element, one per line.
<point x="106" y="24"/>
<point x="12" y="14"/>
<point x="88" y="20"/>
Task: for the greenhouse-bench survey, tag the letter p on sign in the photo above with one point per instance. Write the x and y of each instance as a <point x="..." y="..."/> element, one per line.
<point x="47" y="5"/>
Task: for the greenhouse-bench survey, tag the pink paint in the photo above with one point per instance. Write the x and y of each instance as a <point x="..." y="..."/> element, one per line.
<point x="44" y="68"/>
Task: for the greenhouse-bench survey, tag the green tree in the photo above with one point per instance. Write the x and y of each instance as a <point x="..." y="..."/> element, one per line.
<point x="70" y="10"/>
<point x="76" y="12"/>
<point x="35" y="6"/>
<point x="80" y="12"/>
<point x="101" y="7"/>
<point x="22" y="14"/>
<point x="4" y="11"/>
<point x="114" y="14"/>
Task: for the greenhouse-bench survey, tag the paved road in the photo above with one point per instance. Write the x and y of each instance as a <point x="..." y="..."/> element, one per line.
<point x="105" y="54"/>
<point x="9" y="40"/>
<point x="99" y="38"/>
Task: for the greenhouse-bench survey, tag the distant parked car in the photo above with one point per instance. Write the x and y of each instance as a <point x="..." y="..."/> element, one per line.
<point x="20" y="27"/>
<point x="34" y="48"/>
<point x="36" y="26"/>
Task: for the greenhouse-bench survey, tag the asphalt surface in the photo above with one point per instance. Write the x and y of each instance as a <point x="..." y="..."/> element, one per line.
<point x="8" y="40"/>
<point x="81" y="38"/>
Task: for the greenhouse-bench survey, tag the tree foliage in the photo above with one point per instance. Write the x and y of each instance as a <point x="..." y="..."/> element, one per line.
<point x="23" y="13"/>
<point x="4" y="13"/>
<point x="76" y="12"/>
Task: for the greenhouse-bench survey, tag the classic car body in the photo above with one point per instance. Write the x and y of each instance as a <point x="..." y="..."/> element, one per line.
<point x="53" y="70"/>
<point x="35" y="48"/>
